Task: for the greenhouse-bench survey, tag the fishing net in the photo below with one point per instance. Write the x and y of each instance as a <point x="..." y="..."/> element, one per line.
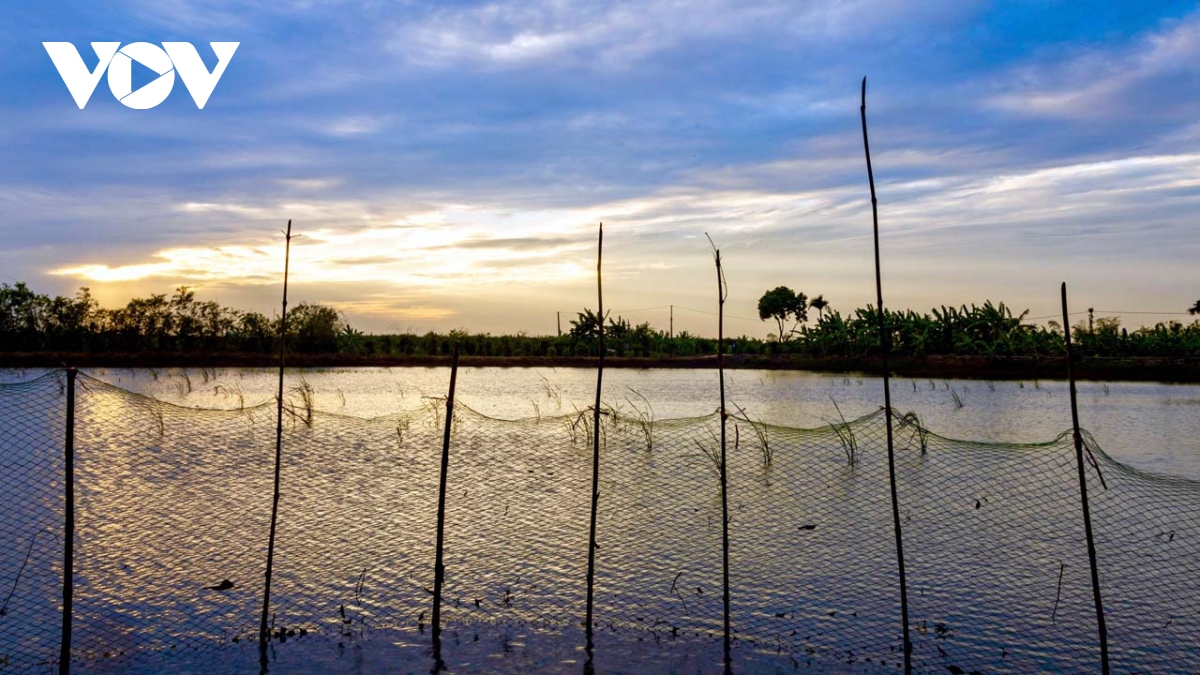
<point x="173" y="514"/>
<point x="32" y="418"/>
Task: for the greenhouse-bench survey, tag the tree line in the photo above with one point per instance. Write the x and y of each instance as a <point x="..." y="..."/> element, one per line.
<point x="31" y="322"/>
<point x="978" y="330"/>
<point x="178" y="323"/>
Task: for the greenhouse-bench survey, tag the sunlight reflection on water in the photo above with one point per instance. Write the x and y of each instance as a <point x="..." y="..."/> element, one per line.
<point x="1147" y="425"/>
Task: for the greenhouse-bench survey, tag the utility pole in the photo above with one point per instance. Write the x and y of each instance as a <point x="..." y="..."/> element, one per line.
<point x="1090" y="312"/>
<point x="672" y="333"/>
<point x="559" y="315"/>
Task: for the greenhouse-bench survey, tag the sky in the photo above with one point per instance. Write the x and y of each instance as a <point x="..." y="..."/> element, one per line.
<point x="446" y="165"/>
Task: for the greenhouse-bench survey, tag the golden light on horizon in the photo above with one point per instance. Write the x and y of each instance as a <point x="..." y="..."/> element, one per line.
<point x="402" y="255"/>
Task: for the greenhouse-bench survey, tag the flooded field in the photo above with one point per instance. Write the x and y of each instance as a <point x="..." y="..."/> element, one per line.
<point x="173" y="500"/>
<point x="1151" y="426"/>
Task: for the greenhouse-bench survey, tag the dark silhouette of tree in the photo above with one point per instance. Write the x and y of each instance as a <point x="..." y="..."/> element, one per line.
<point x="783" y="304"/>
<point x="1195" y="309"/>
<point x="585" y="331"/>
<point x="179" y="323"/>
<point x="586" y="327"/>
<point x="314" y="328"/>
<point x="819" y="303"/>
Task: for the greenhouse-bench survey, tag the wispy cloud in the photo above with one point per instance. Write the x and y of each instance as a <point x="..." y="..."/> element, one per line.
<point x="1157" y="75"/>
<point x="459" y="156"/>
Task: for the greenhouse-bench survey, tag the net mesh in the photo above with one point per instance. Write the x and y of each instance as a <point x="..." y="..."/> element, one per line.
<point x="32" y="418"/>
<point x="173" y="510"/>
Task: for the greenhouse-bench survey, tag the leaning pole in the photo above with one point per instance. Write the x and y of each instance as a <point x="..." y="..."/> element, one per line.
<point x="884" y="345"/>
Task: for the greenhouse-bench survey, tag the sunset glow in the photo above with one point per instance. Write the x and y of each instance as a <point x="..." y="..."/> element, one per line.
<point x="448" y="168"/>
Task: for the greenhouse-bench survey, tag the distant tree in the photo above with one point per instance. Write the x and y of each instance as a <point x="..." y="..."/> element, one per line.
<point x="783" y="304"/>
<point x="314" y="328"/>
<point x="586" y="327"/>
<point x="618" y="329"/>
<point x="351" y="340"/>
<point x="254" y="332"/>
<point x="643" y="338"/>
<point x="585" y="332"/>
<point x="819" y="303"/>
<point x="1195" y="309"/>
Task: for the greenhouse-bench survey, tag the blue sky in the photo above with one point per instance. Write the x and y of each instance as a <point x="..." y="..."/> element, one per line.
<point x="446" y="164"/>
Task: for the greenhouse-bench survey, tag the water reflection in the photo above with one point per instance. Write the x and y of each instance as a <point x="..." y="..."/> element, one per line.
<point x="1151" y="426"/>
<point x="173" y="501"/>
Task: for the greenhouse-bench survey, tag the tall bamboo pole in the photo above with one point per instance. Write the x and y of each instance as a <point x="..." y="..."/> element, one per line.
<point x="1101" y="627"/>
<point x="722" y="292"/>
<point x="439" y="569"/>
<point x="885" y="345"/>
<point x="263" y="631"/>
<point x="68" y="590"/>
<point x="591" y="568"/>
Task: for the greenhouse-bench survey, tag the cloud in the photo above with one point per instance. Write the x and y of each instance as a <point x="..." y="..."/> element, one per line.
<point x="307" y="184"/>
<point x="468" y="150"/>
<point x="619" y="36"/>
<point x="1157" y="75"/>
<point x="414" y="250"/>
<point x="359" y="125"/>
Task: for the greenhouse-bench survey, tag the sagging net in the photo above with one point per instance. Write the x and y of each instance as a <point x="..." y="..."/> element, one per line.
<point x="173" y="510"/>
<point x="32" y="419"/>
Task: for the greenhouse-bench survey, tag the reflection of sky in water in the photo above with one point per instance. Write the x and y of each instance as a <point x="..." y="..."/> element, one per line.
<point x="173" y="500"/>
<point x="1152" y="426"/>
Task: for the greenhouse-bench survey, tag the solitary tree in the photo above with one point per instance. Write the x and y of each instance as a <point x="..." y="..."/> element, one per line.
<point x="314" y="328"/>
<point x="783" y="304"/>
<point x="819" y="303"/>
<point x="1195" y="309"/>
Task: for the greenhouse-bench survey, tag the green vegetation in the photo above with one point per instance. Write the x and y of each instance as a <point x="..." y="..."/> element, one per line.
<point x="30" y="322"/>
<point x="783" y="304"/>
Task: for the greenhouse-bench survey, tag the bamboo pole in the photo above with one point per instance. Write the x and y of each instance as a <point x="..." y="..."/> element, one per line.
<point x="1083" y="493"/>
<point x="722" y="293"/>
<point x="591" y="568"/>
<point x="68" y="590"/>
<point x="439" y="569"/>
<point x="263" y="631"/>
<point x="885" y="344"/>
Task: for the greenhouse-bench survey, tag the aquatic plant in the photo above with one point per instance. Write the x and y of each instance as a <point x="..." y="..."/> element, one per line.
<point x="760" y="432"/>
<point x="910" y="419"/>
<point x="303" y="410"/>
<point x="845" y="435"/>
<point x="643" y="418"/>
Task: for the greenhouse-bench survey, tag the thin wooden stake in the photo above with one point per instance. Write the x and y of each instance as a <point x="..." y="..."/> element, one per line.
<point x="591" y="568"/>
<point x="722" y="293"/>
<point x="885" y="344"/>
<point x="68" y="590"/>
<point x="1083" y="493"/>
<point x="263" y="630"/>
<point x="439" y="569"/>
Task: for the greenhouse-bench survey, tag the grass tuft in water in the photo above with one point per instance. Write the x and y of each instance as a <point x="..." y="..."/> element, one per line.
<point x="643" y="418"/>
<point x="845" y="435"/>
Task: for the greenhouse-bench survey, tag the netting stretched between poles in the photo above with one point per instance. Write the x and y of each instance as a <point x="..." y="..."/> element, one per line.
<point x="32" y="423"/>
<point x="171" y="502"/>
<point x="173" y="508"/>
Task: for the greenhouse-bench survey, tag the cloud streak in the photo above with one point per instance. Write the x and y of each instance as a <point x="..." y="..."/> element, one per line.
<point x="447" y="164"/>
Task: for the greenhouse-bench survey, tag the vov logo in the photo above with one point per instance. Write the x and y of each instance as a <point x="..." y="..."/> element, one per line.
<point x="173" y="57"/>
